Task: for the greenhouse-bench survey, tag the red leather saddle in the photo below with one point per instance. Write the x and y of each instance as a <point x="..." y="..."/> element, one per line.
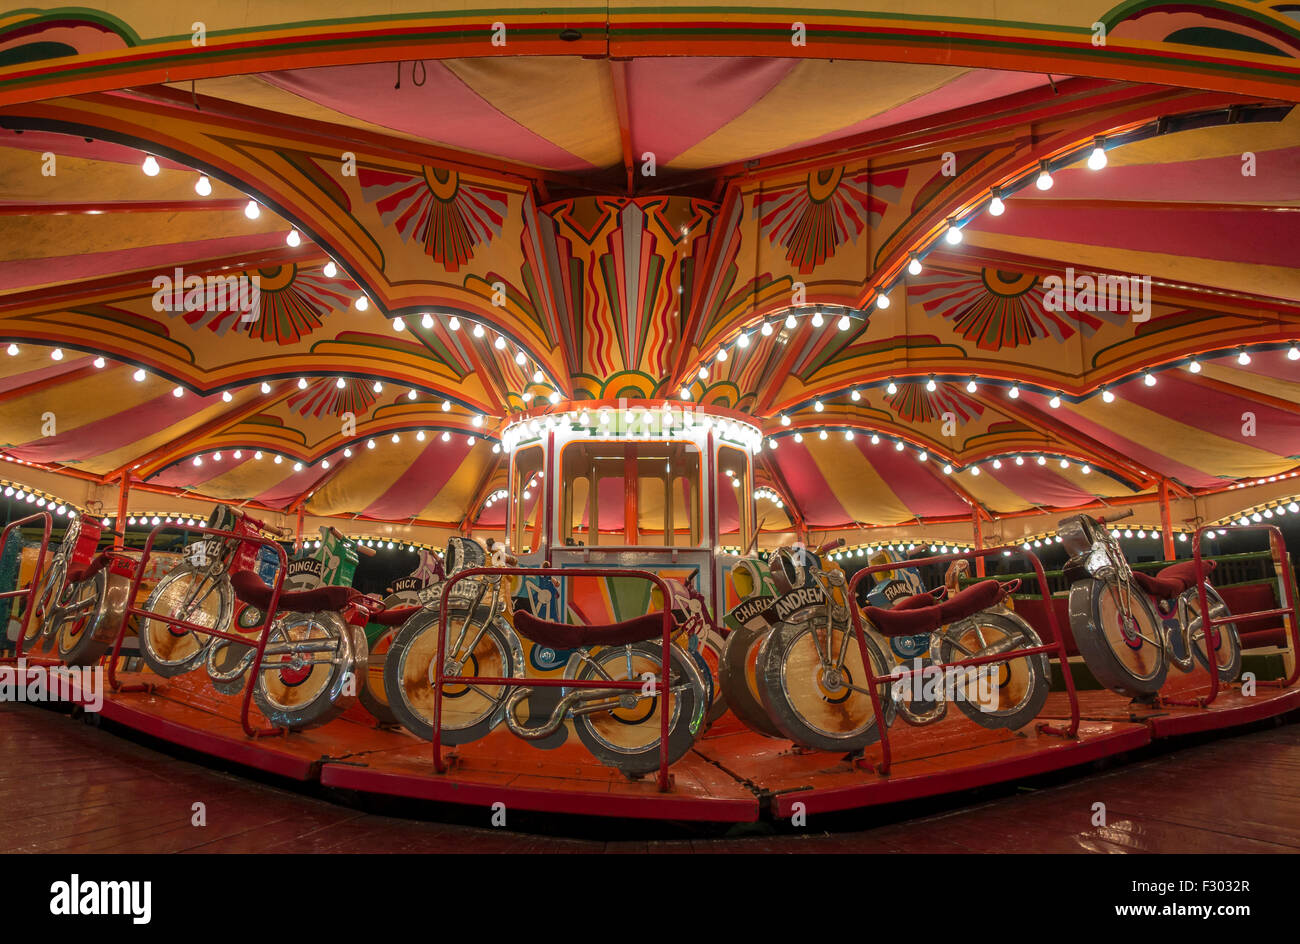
<point x="396" y="616"/>
<point x="251" y="590"/>
<point x="569" y="636"/>
<point x="98" y="563"/>
<point x="923" y="614"/>
<point x="1172" y="580"/>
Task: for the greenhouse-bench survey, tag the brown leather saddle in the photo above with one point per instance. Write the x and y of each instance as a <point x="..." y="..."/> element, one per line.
<point x="569" y="636"/>
<point x="925" y="613"/>
<point x="251" y="589"/>
<point x="1171" y="580"/>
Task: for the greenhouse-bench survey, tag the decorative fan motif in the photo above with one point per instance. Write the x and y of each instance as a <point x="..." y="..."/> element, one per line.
<point x="812" y="219"/>
<point x="914" y="404"/>
<point x="448" y="216"/>
<point x="290" y="304"/>
<point x="325" y="397"/>
<point x="999" y="309"/>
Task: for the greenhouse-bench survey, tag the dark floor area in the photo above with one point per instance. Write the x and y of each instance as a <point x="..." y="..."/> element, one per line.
<point x="69" y="787"/>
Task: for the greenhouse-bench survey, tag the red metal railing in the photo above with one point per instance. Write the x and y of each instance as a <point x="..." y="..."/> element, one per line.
<point x="142" y="614"/>
<point x="1057" y="646"/>
<point x="30" y="590"/>
<point x="1282" y="561"/>
<point x="635" y="684"/>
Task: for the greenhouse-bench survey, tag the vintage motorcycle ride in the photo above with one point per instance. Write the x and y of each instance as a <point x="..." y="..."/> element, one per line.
<point x="83" y="597"/>
<point x="1128" y="626"/>
<point x="410" y="593"/>
<point x="621" y="728"/>
<point x="811" y="674"/>
<point x="316" y="652"/>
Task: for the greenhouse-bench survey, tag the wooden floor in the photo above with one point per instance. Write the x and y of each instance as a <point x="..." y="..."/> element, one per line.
<point x="67" y="787"/>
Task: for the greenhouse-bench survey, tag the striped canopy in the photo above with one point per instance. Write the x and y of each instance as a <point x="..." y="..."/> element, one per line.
<point x="441" y="244"/>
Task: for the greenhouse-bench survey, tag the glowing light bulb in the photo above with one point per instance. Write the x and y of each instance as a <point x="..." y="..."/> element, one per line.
<point x="1243" y="358"/>
<point x="882" y="300"/>
<point x="855" y="396"/>
<point x="138" y="376"/>
<point x="1054" y="402"/>
<point x="178" y="392"/>
<point x="818" y="406"/>
<point x="150" y="166"/>
<point x="1097" y="159"/>
<point x="302" y="383"/>
<point x="203" y="186"/>
<point x="56" y="354"/>
<point x="252" y="210"/>
<point x="930" y="385"/>
<point x="766" y="330"/>
<point x="953" y="235"/>
<point x="266" y="387"/>
<point x="1014" y="392"/>
<point x="363" y="303"/>
<point x="972" y="386"/>
<point x="997" y="207"/>
<point x="1044" y="181"/>
<point x="340" y="383"/>
<point x="914" y="267"/>
<point x="453" y="324"/>
<point x="12" y="350"/>
<point x="292" y="238"/>
<point x="330" y="270"/>
<point x="1149" y="379"/>
<point x="399" y="325"/>
<point x="790" y="322"/>
<point x="426" y="321"/>
<point x="227" y="396"/>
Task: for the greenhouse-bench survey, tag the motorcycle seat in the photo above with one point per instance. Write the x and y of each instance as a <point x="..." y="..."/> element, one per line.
<point x="569" y="636"/>
<point x="251" y="589"/>
<point x="396" y="616"/>
<point x="1171" y="580"/>
<point x="97" y="563"/>
<point x="912" y="617"/>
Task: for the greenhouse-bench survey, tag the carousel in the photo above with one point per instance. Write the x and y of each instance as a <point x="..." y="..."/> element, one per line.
<point x="711" y="419"/>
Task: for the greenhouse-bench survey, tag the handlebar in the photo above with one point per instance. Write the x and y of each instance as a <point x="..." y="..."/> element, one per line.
<point x="1109" y="518"/>
<point x="830" y="546"/>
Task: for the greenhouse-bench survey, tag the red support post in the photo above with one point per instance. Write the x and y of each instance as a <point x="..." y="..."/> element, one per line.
<point x="1166" y="522"/>
<point x="123" y="493"/>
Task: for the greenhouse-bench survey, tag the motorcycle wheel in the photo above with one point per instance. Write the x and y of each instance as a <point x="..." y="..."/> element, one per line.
<point x="1020" y="686"/>
<point x="47" y="598"/>
<point x="808" y="707"/>
<point x="1125" y="655"/>
<point x="303" y="692"/>
<point x="1225" y="640"/>
<point x="468" y="712"/>
<point x="709" y="648"/>
<point x="76" y="635"/>
<point x="627" y="734"/>
<point x="373" y="695"/>
<point x="169" y="651"/>
<point x="738" y="681"/>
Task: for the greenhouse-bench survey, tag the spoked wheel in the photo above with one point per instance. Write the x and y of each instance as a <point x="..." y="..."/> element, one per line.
<point x="738" y="681"/>
<point x="469" y="710"/>
<point x="1123" y="647"/>
<point x="228" y="661"/>
<point x="47" y="598"/>
<point x="825" y="709"/>
<point x="1225" y="642"/>
<point x="317" y="679"/>
<point x="625" y="731"/>
<point x="75" y="621"/>
<point x="1012" y="693"/>
<point x="194" y="595"/>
